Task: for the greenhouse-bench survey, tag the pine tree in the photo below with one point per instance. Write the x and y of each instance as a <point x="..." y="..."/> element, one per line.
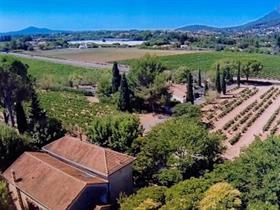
<point x="21" y="118"/>
<point x="37" y="114"/>
<point x="218" y="80"/>
<point x="238" y="74"/>
<point x="190" y="96"/>
<point x="116" y="79"/>
<point x="224" y="84"/>
<point x="199" y="78"/>
<point x="124" y="98"/>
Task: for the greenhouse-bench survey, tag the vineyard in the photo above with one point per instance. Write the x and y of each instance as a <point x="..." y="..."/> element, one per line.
<point x="73" y="109"/>
<point x="244" y="113"/>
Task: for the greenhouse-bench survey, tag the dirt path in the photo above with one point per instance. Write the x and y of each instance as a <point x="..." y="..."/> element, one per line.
<point x="221" y="122"/>
<point x="122" y="68"/>
<point x="254" y="130"/>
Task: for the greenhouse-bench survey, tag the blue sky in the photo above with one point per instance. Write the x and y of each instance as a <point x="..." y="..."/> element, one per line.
<point x="128" y="14"/>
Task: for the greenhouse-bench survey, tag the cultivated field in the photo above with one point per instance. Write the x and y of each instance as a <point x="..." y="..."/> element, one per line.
<point x="206" y="61"/>
<point x="243" y="114"/>
<point x="103" y="55"/>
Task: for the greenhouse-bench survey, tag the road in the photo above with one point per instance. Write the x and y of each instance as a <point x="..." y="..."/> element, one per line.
<point x="123" y="68"/>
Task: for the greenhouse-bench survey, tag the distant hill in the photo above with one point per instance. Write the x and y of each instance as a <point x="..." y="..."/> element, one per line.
<point x="270" y="20"/>
<point x="31" y="31"/>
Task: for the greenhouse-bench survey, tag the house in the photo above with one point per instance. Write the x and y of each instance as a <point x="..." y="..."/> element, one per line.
<point x="69" y="174"/>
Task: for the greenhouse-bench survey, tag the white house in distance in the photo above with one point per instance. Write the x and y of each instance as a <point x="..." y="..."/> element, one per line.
<point x="69" y="174"/>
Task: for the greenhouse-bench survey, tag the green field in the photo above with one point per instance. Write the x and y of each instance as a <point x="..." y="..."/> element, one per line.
<point x="206" y="61"/>
<point x="61" y="73"/>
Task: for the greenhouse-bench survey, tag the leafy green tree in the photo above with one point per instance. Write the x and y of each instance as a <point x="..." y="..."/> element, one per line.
<point x="148" y="83"/>
<point x="224" y="84"/>
<point x="124" y="97"/>
<point x="190" y="95"/>
<point x="238" y="74"/>
<point x="116" y="132"/>
<point x="104" y="88"/>
<point x="221" y="196"/>
<point x="153" y="195"/>
<point x="116" y="79"/>
<point x="186" y="194"/>
<point x="218" y="80"/>
<point x="180" y="143"/>
<point x="251" y="67"/>
<point x="168" y="177"/>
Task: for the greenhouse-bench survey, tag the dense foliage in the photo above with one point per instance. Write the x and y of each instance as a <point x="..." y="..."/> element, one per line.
<point x="115" y="131"/>
<point x="148" y="83"/>
<point x="255" y="174"/>
<point x="180" y="143"/>
<point x="11" y="145"/>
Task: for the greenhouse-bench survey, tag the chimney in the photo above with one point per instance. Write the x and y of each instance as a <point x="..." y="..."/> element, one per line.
<point x="17" y="190"/>
<point x="81" y="136"/>
<point x="14" y="176"/>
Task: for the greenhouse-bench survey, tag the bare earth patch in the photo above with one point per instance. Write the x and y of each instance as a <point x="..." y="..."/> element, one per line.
<point x="104" y="55"/>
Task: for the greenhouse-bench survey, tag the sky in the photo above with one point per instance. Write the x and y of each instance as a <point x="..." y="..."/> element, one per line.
<point x="128" y="14"/>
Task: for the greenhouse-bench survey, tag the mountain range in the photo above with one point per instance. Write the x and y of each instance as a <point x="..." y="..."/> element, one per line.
<point x="272" y="19"/>
<point x="32" y="31"/>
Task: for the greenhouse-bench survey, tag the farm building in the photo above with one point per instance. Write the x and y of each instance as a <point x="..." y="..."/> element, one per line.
<point x="69" y="174"/>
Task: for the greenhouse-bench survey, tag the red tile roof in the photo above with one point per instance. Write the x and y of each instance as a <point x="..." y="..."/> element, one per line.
<point x="88" y="156"/>
<point x="49" y="181"/>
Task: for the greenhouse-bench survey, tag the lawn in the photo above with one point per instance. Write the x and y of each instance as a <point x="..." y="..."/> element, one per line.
<point x="73" y="109"/>
<point x="61" y="73"/>
<point x="206" y="61"/>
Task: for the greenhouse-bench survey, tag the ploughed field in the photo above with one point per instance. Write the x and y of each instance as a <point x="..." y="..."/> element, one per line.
<point x="103" y="55"/>
<point x="243" y="114"/>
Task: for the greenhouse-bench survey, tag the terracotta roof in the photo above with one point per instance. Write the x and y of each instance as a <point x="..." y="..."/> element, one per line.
<point x="88" y="156"/>
<point x="49" y="181"/>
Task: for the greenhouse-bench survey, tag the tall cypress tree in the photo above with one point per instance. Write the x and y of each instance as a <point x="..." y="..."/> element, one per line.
<point x="206" y="87"/>
<point x="238" y="74"/>
<point x="190" y="96"/>
<point x="124" y="98"/>
<point x="224" y="84"/>
<point x="116" y="79"/>
<point x="37" y="114"/>
<point x="218" y="80"/>
<point x="199" y="78"/>
<point x="21" y="118"/>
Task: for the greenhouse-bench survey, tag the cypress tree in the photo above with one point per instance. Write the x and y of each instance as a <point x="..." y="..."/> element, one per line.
<point x="124" y="98"/>
<point x="238" y="74"/>
<point x="21" y="118"/>
<point x="199" y="78"/>
<point x="116" y="79"/>
<point x="37" y="114"/>
<point x="224" y="84"/>
<point x="218" y="80"/>
<point x="206" y="87"/>
<point x="190" y="96"/>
